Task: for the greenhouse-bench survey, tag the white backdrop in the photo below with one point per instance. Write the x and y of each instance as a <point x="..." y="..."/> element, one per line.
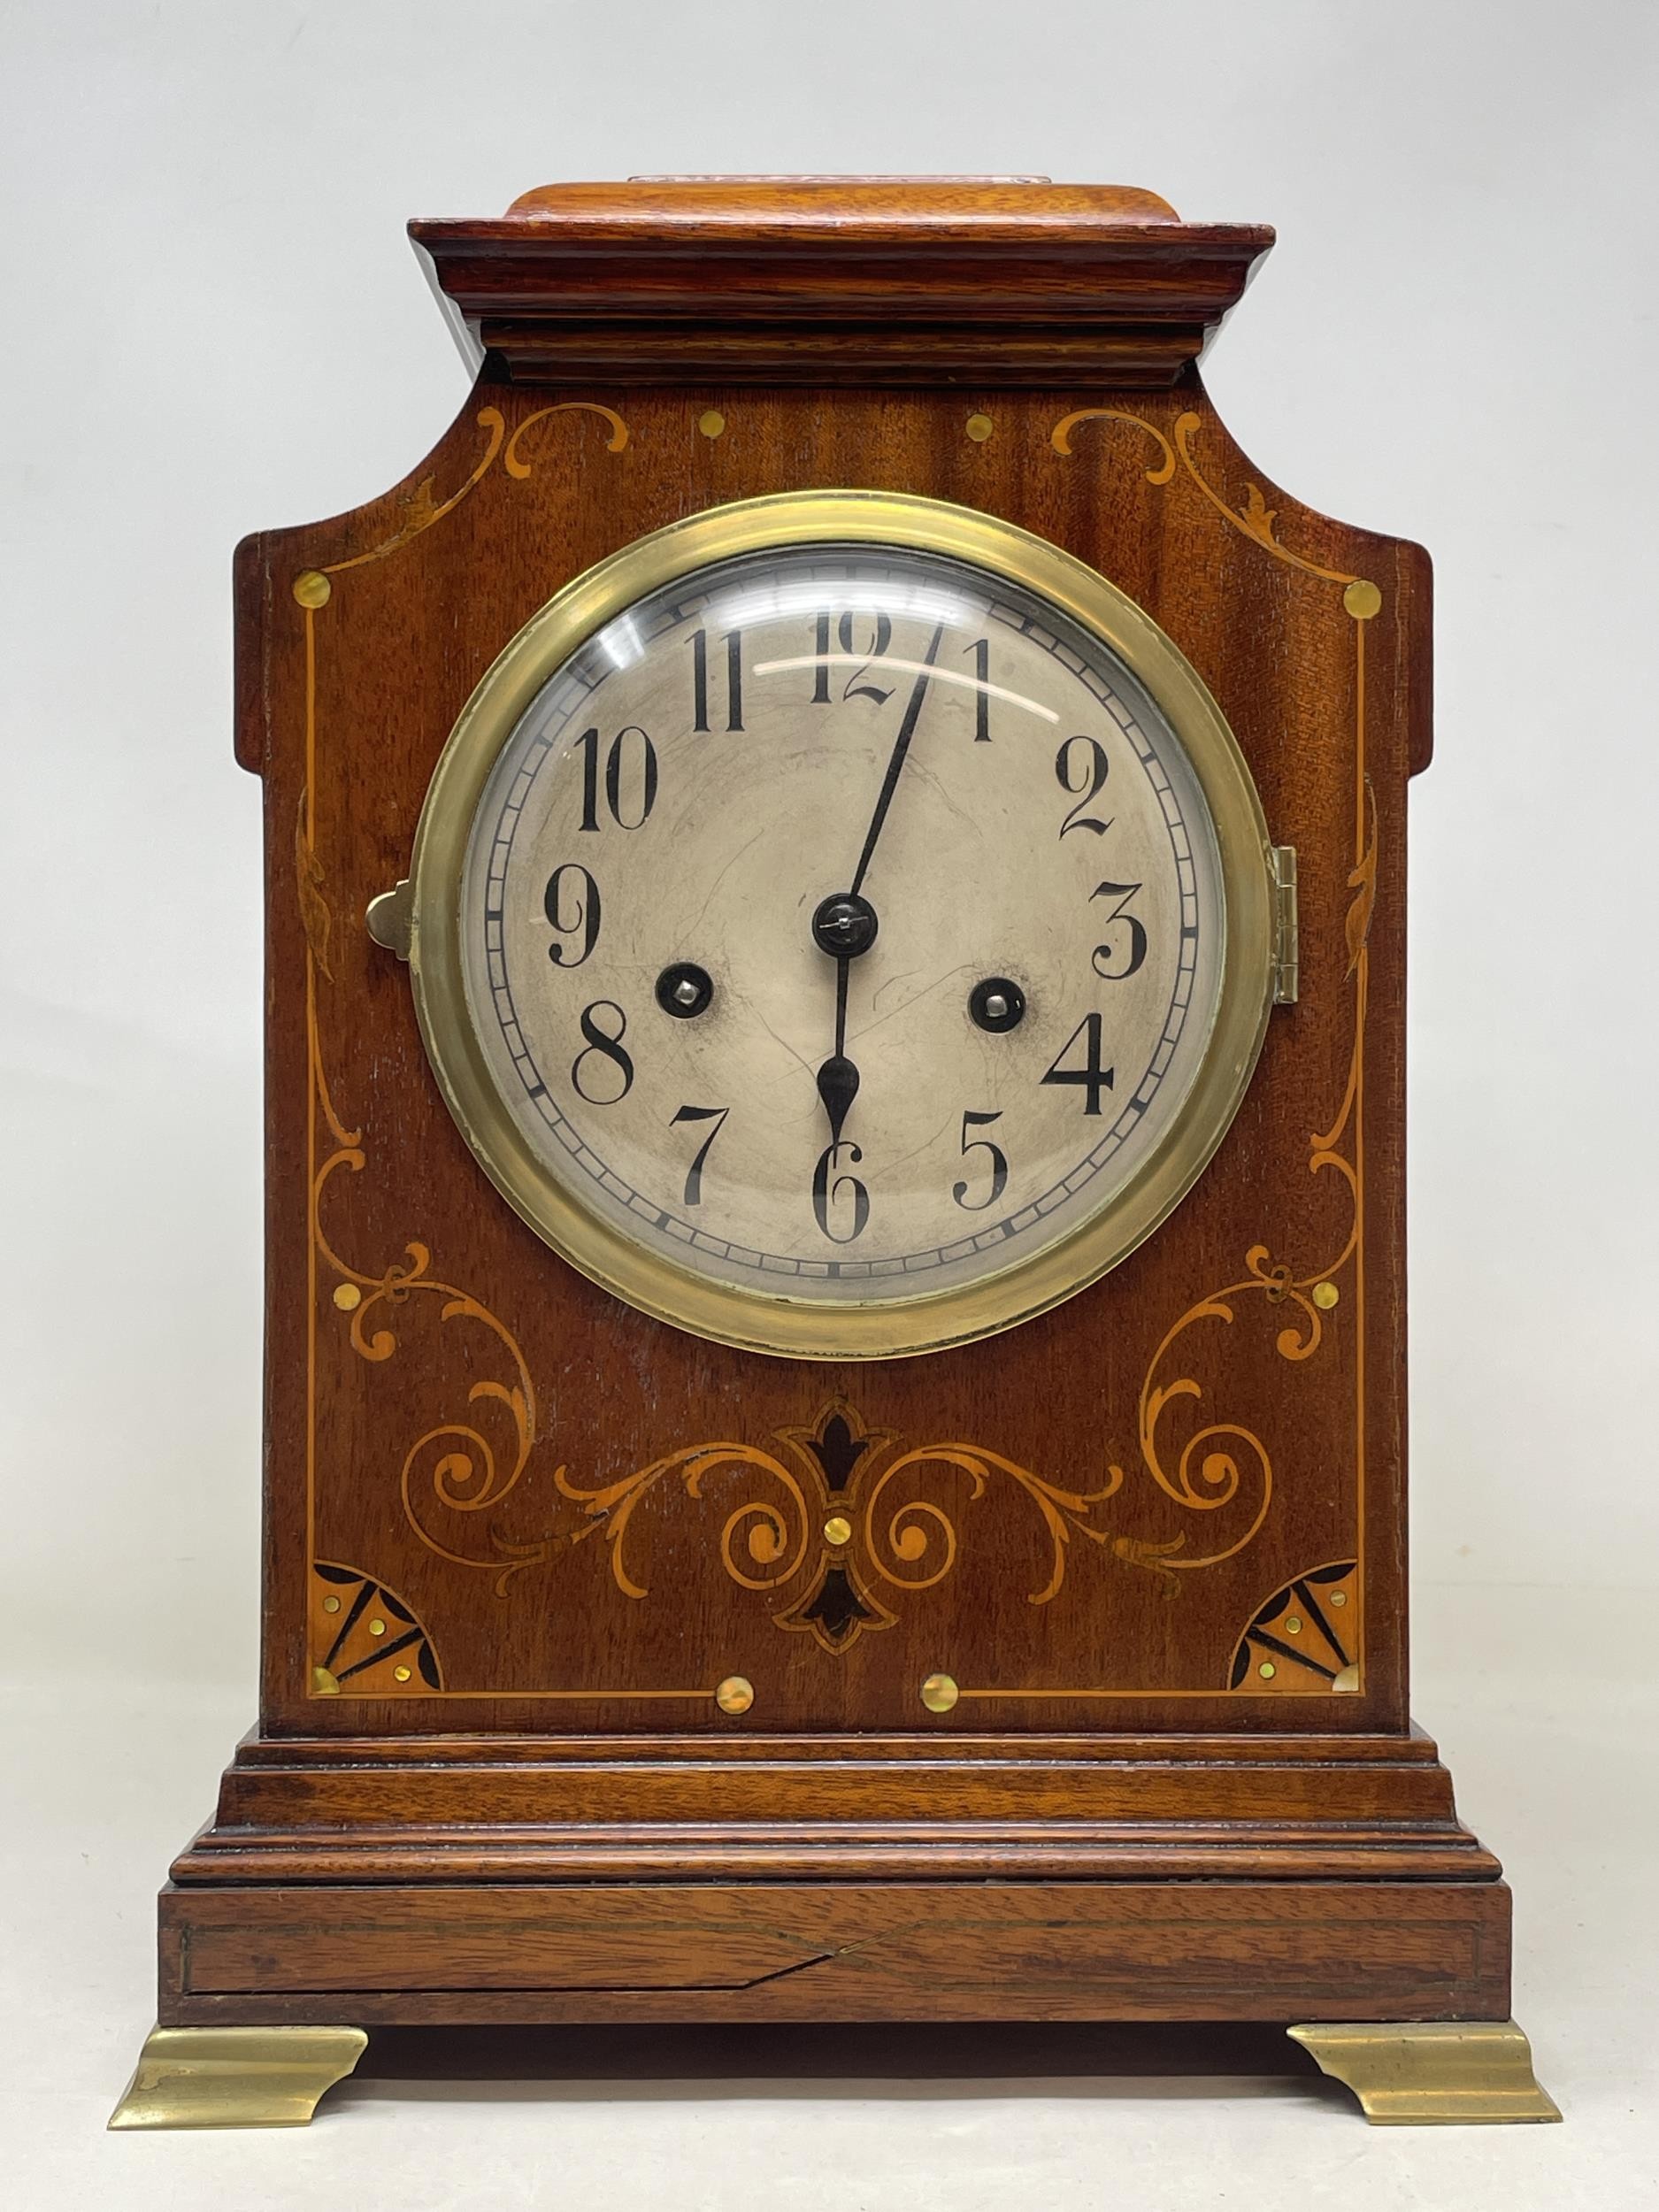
<point x="216" y="325"/>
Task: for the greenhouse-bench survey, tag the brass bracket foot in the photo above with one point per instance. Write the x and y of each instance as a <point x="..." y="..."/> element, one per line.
<point x="1453" y="2073"/>
<point x="235" y="2078"/>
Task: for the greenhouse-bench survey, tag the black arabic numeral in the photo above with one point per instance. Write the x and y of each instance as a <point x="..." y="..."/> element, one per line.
<point x="999" y="1163"/>
<point x="882" y="637"/>
<point x="588" y="741"/>
<point x="1095" y="772"/>
<point x="980" y="649"/>
<point x="734" y="680"/>
<point x="617" y="761"/>
<point x="1104" y="955"/>
<point x="693" y="1173"/>
<point x="700" y="679"/>
<point x="820" y="654"/>
<point x="602" y="1043"/>
<point x="585" y="901"/>
<point x="829" y="1187"/>
<point x="1091" y="1076"/>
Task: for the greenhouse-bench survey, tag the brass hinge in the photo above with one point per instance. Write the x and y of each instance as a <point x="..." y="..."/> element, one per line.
<point x="1287" y="930"/>
<point x="390" y="918"/>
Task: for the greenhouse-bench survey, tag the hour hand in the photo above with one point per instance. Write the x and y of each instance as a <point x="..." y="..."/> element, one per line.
<point x="843" y="926"/>
<point x="837" y="1087"/>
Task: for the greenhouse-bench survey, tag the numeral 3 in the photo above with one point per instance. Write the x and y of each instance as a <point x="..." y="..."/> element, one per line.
<point x="1121" y="954"/>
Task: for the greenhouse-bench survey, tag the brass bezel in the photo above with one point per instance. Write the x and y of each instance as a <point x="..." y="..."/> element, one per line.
<point x="757" y="1321"/>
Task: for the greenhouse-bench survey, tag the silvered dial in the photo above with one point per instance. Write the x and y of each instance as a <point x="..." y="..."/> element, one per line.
<point x="843" y="922"/>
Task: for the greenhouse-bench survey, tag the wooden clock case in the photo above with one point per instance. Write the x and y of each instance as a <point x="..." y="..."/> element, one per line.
<point x="518" y="1535"/>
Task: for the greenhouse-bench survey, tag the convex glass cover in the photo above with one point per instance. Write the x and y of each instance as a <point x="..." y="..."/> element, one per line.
<point x="830" y="934"/>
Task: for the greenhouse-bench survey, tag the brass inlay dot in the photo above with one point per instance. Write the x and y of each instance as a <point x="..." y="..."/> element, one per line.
<point x="377" y="1627"/>
<point x="837" y="1530"/>
<point x="402" y="1673"/>
<point x="312" y="589"/>
<point x="939" y="1693"/>
<point x="348" y="1296"/>
<point x="1325" y="1296"/>
<point x="1338" y="1597"/>
<point x="711" y="422"/>
<point x="1362" y="600"/>
<point x="734" y="1695"/>
<point x="1292" y="1626"/>
<point x="1267" y="1671"/>
<point x="331" y="1605"/>
<point x="980" y="428"/>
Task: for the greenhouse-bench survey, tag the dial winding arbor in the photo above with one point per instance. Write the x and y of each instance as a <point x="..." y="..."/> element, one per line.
<point x="835" y="1403"/>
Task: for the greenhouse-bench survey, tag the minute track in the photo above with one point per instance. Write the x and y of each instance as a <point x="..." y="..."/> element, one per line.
<point x="590" y="1149"/>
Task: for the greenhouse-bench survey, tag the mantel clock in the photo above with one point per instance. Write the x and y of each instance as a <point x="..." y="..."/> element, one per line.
<point x="835" y="1390"/>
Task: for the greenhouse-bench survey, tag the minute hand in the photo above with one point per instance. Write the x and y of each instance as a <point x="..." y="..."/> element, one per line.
<point x="901" y="747"/>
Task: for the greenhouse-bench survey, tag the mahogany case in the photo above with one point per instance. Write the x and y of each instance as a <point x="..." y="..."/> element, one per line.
<point x="518" y="1535"/>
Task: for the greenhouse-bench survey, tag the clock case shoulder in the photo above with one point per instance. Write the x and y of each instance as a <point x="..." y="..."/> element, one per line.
<point x="1324" y="548"/>
<point x="987" y="285"/>
<point x="268" y="563"/>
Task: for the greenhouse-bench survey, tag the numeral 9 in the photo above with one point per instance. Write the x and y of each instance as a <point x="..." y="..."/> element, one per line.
<point x="570" y="909"/>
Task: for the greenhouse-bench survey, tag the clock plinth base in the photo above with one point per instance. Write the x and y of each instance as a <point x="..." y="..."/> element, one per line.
<point x="533" y="1881"/>
<point x="1433" y="2073"/>
<point x="454" y="1881"/>
<point x="492" y="1954"/>
<point x="236" y="2077"/>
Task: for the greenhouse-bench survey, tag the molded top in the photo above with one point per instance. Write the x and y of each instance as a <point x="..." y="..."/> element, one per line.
<point x="983" y="280"/>
<point x="813" y="201"/>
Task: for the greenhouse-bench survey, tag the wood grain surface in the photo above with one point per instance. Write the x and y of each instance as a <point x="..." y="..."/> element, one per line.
<point x="345" y="708"/>
<point x="457" y="1809"/>
<point x="491" y="1779"/>
<point x="804" y="280"/>
<point x="912" y="1951"/>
